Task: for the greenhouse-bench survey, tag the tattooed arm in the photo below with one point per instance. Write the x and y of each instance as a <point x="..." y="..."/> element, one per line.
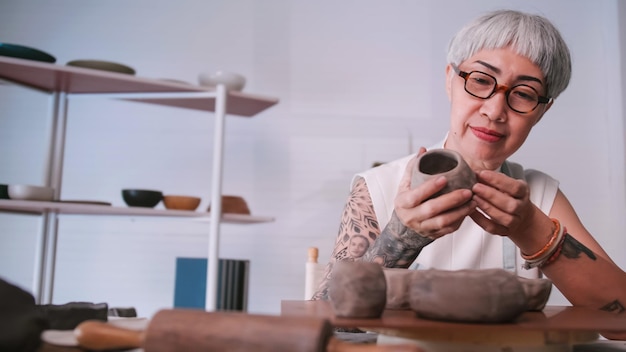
<point x="583" y="272"/>
<point x="398" y="244"/>
<point x="360" y="238"/>
<point x="358" y="219"/>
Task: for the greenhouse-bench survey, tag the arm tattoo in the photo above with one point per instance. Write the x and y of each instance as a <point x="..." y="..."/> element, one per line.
<point x="572" y="248"/>
<point x="397" y="246"/>
<point x="614" y="306"/>
<point x="357" y="232"/>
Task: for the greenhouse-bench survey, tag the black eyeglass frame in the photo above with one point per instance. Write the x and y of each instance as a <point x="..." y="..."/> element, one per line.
<point x="465" y="75"/>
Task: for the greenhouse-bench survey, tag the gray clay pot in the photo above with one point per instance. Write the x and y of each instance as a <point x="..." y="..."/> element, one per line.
<point x="476" y="296"/>
<point x="537" y="292"/>
<point x="399" y="282"/>
<point x="443" y="162"/>
<point x="357" y="289"/>
<point x="398" y="287"/>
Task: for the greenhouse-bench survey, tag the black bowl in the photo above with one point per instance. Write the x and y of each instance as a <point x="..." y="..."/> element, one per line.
<point x="24" y="52"/>
<point x="142" y="197"/>
<point x="4" y="191"/>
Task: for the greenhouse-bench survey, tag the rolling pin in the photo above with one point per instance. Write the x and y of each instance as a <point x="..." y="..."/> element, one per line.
<point x="195" y="330"/>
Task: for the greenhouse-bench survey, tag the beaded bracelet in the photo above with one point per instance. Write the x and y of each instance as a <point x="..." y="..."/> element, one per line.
<point x="548" y="250"/>
<point x="545" y="248"/>
<point x="557" y="252"/>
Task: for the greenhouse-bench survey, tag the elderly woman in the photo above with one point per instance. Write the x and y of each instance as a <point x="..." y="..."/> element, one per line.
<point x="504" y="71"/>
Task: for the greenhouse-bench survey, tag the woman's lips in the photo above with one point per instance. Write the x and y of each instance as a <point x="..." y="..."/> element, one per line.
<point x="486" y="134"/>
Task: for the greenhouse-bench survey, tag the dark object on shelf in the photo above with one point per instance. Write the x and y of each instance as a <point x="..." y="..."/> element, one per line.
<point x="24" y="52"/>
<point x="4" y="191"/>
<point x="142" y="197"/>
<point x="126" y="312"/>
<point x="68" y="316"/>
<point x="103" y="66"/>
<point x="20" y="322"/>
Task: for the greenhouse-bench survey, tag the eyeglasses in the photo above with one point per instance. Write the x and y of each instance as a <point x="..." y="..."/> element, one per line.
<point x="521" y="98"/>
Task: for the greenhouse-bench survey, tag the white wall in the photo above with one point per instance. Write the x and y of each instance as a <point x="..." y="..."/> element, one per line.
<point x="358" y="82"/>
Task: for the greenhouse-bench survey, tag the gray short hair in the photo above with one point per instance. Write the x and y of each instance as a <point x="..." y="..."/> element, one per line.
<point x="532" y="36"/>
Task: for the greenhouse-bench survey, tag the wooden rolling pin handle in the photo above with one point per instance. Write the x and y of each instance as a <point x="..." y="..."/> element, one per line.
<point x="98" y="335"/>
<point x="313" y="253"/>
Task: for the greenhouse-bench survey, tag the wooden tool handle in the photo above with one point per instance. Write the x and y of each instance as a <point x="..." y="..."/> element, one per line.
<point x="313" y="253"/>
<point x="98" y="335"/>
<point x="177" y="330"/>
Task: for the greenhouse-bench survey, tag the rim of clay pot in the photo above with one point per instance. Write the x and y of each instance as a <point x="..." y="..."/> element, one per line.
<point x="430" y="163"/>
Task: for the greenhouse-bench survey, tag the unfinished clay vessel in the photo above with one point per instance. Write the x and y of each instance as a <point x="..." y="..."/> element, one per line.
<point x="443" y="162"/>
<point x="357" y="289"/>
<point x="476" y="296"/>
<point x="537" y="292"/>
<point x="398" y="286"/>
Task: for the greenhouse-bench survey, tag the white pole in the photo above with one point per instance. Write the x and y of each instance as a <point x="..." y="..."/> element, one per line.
<point x="216" y="199"/>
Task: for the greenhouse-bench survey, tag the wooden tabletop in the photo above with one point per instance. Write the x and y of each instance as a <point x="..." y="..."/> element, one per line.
<point x="562" y="324"/>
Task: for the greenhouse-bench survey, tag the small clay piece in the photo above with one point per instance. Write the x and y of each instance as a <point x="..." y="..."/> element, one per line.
<point x="443" y="162"/>
<point x="475" y="296"/>
<point x="537" y="292"/>
<point x="357" y="289"/>
<point x="398" y="287"/>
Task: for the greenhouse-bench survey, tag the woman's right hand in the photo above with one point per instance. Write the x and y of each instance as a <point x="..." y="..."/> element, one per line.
<point x="435" y="217"/>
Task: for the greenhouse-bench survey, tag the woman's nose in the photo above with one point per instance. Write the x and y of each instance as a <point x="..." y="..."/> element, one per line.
<point x="495" y="106"/>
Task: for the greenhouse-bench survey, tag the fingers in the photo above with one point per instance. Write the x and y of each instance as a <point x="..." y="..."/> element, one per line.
<point x="487" y="224"/>
<point x="503" y="183"/>
<point x="414" y="197"/>
<point x="439" y="216"/>
<point x="504" y="201"/>
<point x="444" y="222"/>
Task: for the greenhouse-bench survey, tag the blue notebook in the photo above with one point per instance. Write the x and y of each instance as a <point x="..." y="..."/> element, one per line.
<point x="232" y="282"/>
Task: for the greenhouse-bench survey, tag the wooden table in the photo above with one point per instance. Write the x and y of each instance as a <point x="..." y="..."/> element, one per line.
<point x="556" y="328"/>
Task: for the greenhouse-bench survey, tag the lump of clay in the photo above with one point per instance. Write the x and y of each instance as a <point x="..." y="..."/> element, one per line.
<point x="357" y="289"/>
<point x="537" y="292"/>
<point x="476" y="296"/>
<point x="398" y="285"/>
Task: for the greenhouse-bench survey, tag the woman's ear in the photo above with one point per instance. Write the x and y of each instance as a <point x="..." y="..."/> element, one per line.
<point x="449" y="75"/>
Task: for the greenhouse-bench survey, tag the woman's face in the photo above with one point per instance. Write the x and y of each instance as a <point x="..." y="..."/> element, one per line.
<point x="486" y="131"/>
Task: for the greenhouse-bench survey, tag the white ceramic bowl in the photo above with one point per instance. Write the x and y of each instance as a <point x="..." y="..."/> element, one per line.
<point x="29" y="192"/>
<point x="232" y="80"/>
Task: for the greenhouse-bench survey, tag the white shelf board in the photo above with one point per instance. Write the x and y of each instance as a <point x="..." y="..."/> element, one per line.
<point x="78" y="80"/>
<point x="67" y="208"/>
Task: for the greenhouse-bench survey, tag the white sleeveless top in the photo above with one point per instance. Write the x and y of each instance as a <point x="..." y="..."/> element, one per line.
<point x="470" y="247"/>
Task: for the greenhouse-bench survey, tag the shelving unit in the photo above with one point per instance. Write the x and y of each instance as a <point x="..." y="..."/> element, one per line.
<point x="65" y="82"/>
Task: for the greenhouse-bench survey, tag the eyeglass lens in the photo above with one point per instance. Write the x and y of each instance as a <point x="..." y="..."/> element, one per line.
<point x="521" y="98"/>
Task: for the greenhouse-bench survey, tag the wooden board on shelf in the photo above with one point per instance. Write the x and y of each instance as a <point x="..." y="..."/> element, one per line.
<point x="66" y="208"/>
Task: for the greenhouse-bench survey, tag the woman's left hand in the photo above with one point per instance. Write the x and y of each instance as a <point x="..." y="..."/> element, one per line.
<point x="505" y="202"/>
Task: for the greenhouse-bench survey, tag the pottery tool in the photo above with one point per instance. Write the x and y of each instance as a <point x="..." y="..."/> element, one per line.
<point x="313" y="273"/>
<point x="196" y="330"/>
